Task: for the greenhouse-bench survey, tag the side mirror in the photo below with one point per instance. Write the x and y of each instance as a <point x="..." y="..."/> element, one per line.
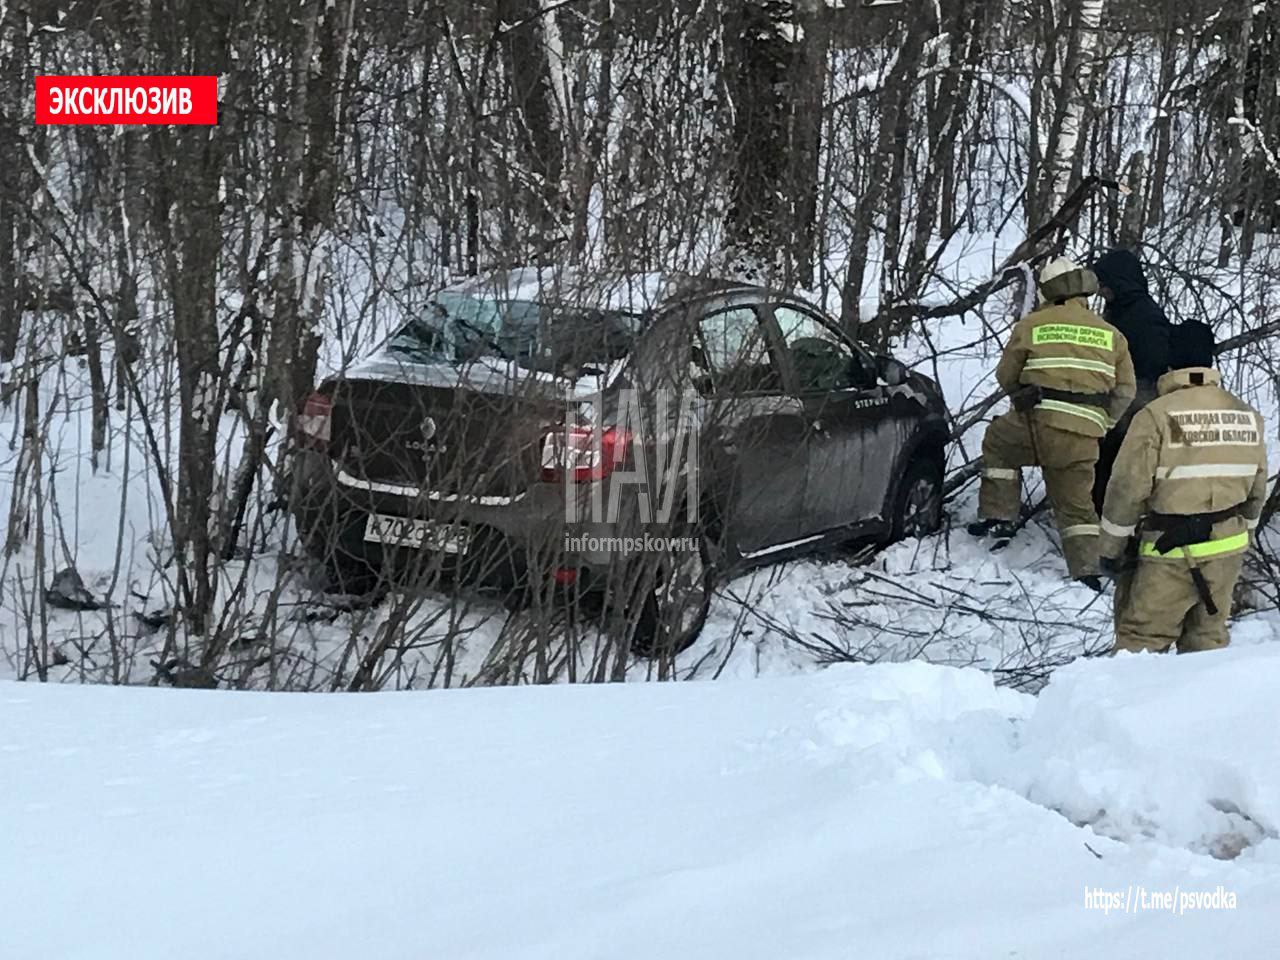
<point x="891" y="371"/>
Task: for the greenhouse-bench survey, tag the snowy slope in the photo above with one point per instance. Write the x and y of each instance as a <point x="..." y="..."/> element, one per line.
<point x="896" y="810"/>
<point x="944" y="600"/>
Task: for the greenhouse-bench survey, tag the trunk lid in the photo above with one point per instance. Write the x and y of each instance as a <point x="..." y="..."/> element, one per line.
<point x="475" y="432"/>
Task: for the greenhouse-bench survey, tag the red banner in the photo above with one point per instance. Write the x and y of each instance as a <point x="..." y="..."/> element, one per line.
<point x="111" y="100"/>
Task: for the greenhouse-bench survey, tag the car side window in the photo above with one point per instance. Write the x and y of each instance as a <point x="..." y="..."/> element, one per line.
<point x="731" y="355"/>
<point x="820" y="357"/>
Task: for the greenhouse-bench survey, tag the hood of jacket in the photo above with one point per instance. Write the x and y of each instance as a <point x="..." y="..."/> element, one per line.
<point x="1121" y="271"/>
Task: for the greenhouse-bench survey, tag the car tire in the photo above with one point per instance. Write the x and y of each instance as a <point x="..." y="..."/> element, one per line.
<point x="917" y="504"/>
<point x="669" y="616"/>
<point x="344" y="573"/>
<point x="348" y="576"/>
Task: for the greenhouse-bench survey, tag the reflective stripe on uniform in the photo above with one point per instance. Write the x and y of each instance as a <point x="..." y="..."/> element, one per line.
<point x="1202" y="471"/>
<point x="1070" y="363"/>
<point x="1081" y="530"/>
<point x="1078" y="334"/>
<point x="1251" y="524"/>
<point x="999" y="473"/>
<point x="1117" y="530"/>
<point x="1075" y="409"/>
<point x="1204" y="550"/>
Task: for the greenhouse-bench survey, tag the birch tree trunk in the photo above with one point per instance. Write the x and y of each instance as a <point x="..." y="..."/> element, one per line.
<point x="1247" y="171"/>
<point x="290" y="271"/>
<point x="1062" y="103"/>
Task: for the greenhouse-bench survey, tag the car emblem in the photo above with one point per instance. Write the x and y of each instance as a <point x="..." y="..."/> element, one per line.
<point x="428" y="428"/>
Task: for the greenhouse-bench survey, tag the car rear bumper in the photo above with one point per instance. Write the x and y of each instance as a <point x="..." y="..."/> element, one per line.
<point x="509" y="536"/>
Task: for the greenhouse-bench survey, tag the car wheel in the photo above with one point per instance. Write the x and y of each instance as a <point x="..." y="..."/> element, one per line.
<point x="917" y="509"/>
<point x="349" y="576"/>
<point x="675" y="600"/>
<point x="344" y="572"/>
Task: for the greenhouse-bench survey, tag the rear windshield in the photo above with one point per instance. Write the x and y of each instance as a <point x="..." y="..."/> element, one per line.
<point x="553" y="337"/>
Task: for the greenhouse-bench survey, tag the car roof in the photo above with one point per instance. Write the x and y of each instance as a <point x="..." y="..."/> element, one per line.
<point x="608" y="290"/>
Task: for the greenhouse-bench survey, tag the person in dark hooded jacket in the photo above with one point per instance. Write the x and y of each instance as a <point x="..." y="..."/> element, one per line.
<point x="1131" y="310"/>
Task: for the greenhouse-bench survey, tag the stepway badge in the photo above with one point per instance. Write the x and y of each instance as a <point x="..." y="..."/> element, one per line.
<point x="126" y="100"/>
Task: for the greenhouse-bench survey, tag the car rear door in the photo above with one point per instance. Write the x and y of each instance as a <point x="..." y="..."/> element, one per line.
<point x="753" y="431"/>
<point x="851" y="442"/>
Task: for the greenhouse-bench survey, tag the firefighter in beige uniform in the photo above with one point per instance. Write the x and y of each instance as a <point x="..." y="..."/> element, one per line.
<point x="1070" y="376"/>
<point x="1187" y="488"/>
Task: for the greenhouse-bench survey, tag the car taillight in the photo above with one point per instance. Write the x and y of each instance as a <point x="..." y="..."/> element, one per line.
<point x="581" y="454"/>
<point x="314" y="424"/>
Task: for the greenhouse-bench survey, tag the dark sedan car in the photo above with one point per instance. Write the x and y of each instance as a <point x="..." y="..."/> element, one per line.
<point x="625" y="437"/>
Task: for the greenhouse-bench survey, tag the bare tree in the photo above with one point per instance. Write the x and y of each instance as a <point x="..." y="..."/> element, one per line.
<point x="1068" y="37"/>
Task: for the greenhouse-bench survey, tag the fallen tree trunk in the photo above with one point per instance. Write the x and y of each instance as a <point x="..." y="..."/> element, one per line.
<point x="1035" y="248"/>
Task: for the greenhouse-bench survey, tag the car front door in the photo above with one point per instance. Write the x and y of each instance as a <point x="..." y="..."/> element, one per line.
<point x="753" y="431"/>
<point x="850" y="437"/>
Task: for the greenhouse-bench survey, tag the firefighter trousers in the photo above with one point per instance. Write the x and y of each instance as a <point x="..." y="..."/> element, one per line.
<point x="1157" y="605"/>
<point x="1015" y="440"/>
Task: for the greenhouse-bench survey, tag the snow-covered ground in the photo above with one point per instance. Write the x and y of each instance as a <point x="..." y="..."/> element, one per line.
<point x="892" y="810"/>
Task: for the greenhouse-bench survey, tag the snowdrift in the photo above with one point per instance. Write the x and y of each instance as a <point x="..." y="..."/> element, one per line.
<point x="895" y="810"/>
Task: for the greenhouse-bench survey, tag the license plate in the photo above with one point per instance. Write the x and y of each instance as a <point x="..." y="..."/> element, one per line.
<point x="418" y="534"/>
